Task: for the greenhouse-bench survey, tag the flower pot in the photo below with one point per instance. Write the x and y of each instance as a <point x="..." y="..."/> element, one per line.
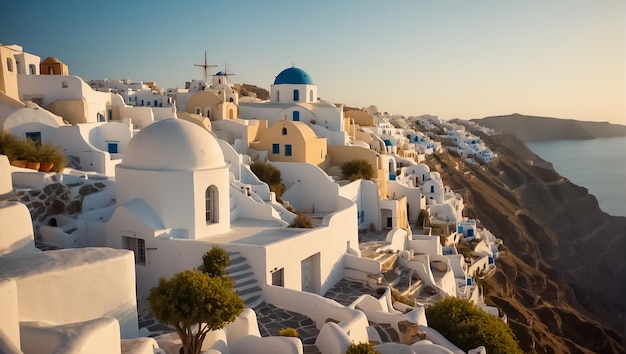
<point x="19" y="163"/>
<point x="33" y="165"/>
<point x="46" y="166"/>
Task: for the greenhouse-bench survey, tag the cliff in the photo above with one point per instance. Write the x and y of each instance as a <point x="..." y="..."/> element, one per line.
<point x="561" y="281"/>
<point x="528" y="128"/>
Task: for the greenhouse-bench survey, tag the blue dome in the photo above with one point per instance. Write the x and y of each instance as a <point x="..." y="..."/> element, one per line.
<point x="219" y="73"/>
<point x="293" y="76"/>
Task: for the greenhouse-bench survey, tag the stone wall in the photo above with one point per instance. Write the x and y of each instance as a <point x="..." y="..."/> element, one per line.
<point x="57" y="198"/>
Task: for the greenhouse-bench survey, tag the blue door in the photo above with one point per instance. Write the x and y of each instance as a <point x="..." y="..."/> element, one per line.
<point x="296" y="95"/>
<point x="296" y="116"/>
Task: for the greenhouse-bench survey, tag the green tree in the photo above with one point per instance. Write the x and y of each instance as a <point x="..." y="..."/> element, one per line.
<point x="195" y="303"/>
<point x="269" y="174"/>
<point x="215" y="261"/>
<point x="468" y="327"/>
<point x="357" y="169"/>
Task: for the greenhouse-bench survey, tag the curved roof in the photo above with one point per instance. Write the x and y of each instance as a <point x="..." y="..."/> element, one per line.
<point x="293" y="76"/>
<point x="219" y="73"/>
<point x="50" y="60"/>
<point x="173" y="145"/>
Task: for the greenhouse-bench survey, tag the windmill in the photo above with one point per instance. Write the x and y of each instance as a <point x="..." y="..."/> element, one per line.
<point x="225" y="73"/>
<point x="205" y="67"/>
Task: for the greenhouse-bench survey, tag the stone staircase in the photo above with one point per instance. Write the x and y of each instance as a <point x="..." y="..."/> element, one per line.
<point x="245" y="283"/>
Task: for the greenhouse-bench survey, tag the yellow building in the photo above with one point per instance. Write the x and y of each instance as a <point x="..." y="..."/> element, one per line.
<point x="210" y="105"/>
<point x="8" y="72"/>
<point x="53" y="66"/>
<point x="289" y="141"/>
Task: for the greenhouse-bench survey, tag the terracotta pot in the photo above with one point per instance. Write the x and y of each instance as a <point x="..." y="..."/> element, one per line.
<point x="19" y="163"/>
<point x="33" y="165"/>
<point x="46" y="166"/>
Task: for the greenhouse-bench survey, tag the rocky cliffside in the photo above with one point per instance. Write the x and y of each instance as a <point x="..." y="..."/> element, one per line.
<point x="528" y="128"/>
<point x="561" y="282"/>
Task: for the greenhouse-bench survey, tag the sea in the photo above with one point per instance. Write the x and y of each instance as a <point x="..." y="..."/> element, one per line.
<point x="596" y="164"/>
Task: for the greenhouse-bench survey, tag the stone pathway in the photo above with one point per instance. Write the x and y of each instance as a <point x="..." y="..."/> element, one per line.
<point x="345" y="292"/>
<point x="272" y="319"/>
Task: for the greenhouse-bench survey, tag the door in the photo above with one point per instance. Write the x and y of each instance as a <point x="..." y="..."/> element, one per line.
<point x="311" y="273"/>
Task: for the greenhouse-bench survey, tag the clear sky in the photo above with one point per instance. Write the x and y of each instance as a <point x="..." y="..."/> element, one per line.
<point x="454" y="59"/>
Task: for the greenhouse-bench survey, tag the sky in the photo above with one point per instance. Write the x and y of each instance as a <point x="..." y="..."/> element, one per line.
<point x="450" y="58"/>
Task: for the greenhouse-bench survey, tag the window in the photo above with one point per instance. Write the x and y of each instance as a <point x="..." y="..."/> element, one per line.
<point x="198" y="110"/>
<point x="288" y="150"/>
<point x="311" y="95"/>
<point x="64" y="84"/>
<point x="284" y="131"/>
<point x="432" y="189"/>
<point x="112" y="148"/>
<point x="278" y="277"/>
<point x="51" y="70"/>
<point x="9" y="64"/>
<point x="34" y="136"/>
<point x="32" y="69"/>
<point x="110" y="113"/>
<point x="275" y="149"/>
<point x="296" y="116"/>
<point x="277" y="96"/>
<point x="138" y="246"/>
<point x="296" y="95"/>
<point x="211" y="195"/>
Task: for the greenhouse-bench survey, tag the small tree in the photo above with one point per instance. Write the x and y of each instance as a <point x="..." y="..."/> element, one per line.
<point x="357" y="169"/>
<point x="270" y="175"/>
<point x="195" y="304"/>
<point x="469" y="327"/>
<point x="362" y="348"/>
<point x="301" y="220"/>
<point x="215" y="261"/>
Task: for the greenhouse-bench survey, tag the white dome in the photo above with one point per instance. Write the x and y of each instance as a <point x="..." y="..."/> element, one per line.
<point x="173" y="145"/>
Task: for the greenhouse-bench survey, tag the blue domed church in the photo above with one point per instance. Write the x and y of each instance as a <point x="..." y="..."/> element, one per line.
<point x="293" y="96"/>
<point x="293" y="85"/>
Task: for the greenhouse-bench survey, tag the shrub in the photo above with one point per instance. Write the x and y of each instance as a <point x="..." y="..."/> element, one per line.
<point x="215" y="261"/>
<point x="357" y="169"/>
<point x="270" y="175"/>
<point x="362" y="348"/>
<point x="301" y="220"/>
<point x="289" y="332"/>
<point x="26" y="149"/>
<point x="469" y="327"/>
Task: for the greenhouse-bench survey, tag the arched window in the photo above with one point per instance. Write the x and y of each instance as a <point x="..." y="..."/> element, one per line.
<point x="277" y="96"/>
<point x="296" y="95"/>
<point x="211" y="212"/>
<point x="311" y="95"/>
<point x="230" y="114"/>
<point x="432" y="189"/>
<point x="9" y="64"/>
<point x="33" y="69"/>
<point x="284" y="131"/>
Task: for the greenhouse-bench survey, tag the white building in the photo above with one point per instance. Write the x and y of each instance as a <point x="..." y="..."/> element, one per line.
<point x="293" y="96"/>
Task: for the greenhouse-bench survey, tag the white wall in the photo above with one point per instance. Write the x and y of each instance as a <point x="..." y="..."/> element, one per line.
<point x="16" y="229"/>
<point x="308" y="185"/>
<point x="9" y="321"/>
<point x="101" y="282"/>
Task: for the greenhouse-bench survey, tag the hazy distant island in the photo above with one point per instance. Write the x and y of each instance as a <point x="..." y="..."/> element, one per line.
<point x="529" y="128"/>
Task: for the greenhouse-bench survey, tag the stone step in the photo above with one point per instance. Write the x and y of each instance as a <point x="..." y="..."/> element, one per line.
<point x="310" y="349"/>
<point x="240" y="276"/>
<point x="253" y="301"/>
<point x="245" y="283"/>
<point x="233" y="269"/>
<point x="252" y="290"/>
<point x="235" y="260"/>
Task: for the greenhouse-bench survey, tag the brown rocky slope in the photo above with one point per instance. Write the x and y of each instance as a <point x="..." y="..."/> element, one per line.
<point x="561" y="281"/>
